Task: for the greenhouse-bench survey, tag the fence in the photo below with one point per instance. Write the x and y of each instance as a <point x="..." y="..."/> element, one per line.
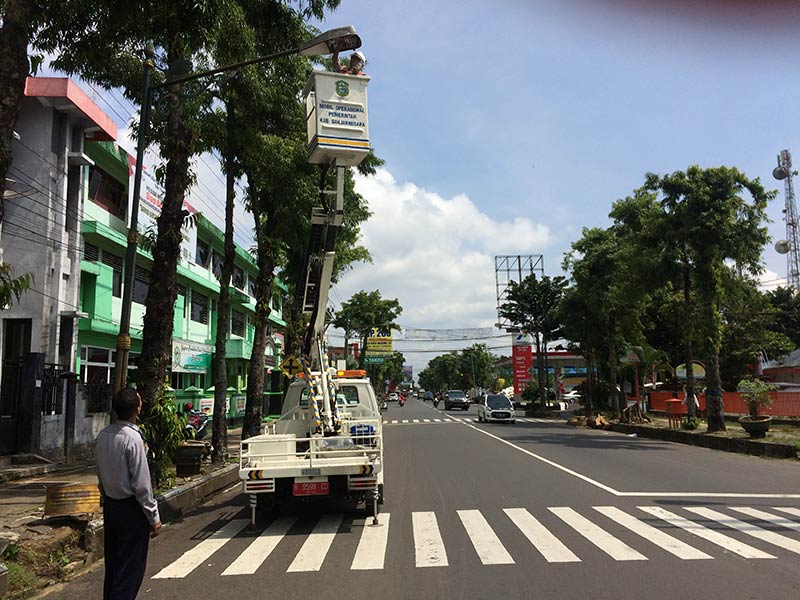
<point x="53" y="389"/>
<point x="784" y="404"/>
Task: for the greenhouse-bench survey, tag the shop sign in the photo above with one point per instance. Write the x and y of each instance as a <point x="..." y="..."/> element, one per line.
<point x="190" y="357"/>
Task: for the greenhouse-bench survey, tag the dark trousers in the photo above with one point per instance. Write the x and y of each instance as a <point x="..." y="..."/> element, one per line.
<point x="126" y="535"/>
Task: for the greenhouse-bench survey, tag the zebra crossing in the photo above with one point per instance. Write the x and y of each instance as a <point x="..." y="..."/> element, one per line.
<point x="452" y="419"/>
<point x="656" y="533"/>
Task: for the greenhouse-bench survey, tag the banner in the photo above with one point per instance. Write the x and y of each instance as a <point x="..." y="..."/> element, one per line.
<point x="190" y="357"/>
<point x="379" y="342"/>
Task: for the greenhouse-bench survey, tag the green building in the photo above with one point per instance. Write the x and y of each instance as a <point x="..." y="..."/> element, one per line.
<point x="104" y="233"/>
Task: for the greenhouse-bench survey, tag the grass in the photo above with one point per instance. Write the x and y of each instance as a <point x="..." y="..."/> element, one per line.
<point x="777" y="434"/>
<point x="33" y="565"/>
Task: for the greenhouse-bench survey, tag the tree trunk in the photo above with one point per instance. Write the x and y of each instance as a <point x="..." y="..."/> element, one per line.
<point x="688" y="354"/>
<point x="219" y="432"/>
<point x="160" y="304"/>
<point x="589" y="402"/>
<point x="714" y="404"/>
<point x="612" y="372"/>
<point x="14" y="38"/>
<point x="255" y="374"/>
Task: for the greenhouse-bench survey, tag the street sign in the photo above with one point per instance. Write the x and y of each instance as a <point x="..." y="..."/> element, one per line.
<point x="291" y="367"/>
<point x="374" y="360"/>
<point x="379" y="342"/>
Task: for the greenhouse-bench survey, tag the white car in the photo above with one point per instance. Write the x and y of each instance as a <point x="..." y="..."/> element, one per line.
<point x="393" y="397"/>
<point x="496" y="407"/>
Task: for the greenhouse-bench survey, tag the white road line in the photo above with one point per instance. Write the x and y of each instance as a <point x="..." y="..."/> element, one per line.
<point x="788" y="510"/>
<point x="428" y="545"/>
<point x="415" y="421"/>
<point x="485" y="541"/>
<point x="405" y="420"/>
<point x="426" y="420"/>
<point x="611" y="490"/>
<point x="312" y="554"/>
<point x="757" y="532"/>
<point x="545" y="542"/>
<point x="710" y="535"/>
<point x="371" y="551"/>
<point x="659" y="538"/>
<point x="437" y="420"/>
<point x="257" y="552"/>
<point x="615" y="548"/>
<point x="765" y="516"/>
<point x="191" y="559"/>
<point x="394" y="421"/>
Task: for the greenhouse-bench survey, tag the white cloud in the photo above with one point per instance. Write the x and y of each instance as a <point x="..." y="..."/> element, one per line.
<point x="435" y="255"/>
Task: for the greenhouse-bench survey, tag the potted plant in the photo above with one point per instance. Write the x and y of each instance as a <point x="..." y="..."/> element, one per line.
<point x="755" y="393"/>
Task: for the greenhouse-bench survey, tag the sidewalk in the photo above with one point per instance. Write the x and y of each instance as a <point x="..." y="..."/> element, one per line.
<point x="22" y="506"/>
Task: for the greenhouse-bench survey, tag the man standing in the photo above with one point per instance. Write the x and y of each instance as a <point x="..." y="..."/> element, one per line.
<point x="130" y="513"/>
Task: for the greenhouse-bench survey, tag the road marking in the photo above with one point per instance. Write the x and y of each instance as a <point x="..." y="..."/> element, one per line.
<point x="371" y="551"/>
<point x="485" y="541"/>
<point x="765" y="516"/>
<point x="611" y="490"/>
<point x="428" y="545"/>
<point x="426" y="420"/>
<point x="257" y="552"/>
<point x="757" y="532"/>
<point x="191" y="559"/>
<point x="550" y="547"/>
<point x="659" y="538"/>
<point x="312" y="554"/>
<point x="710" y="535"/>
<point x="615" y="548"/>
<point x="415" y="421"/>
<point x="438" y="420"/>
<point x="394" y="421"/>
<point x="405" y="420"/>
<point x="788" y="510"/>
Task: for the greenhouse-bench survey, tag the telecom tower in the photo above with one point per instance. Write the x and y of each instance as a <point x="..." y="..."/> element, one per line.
<point x="791" y="245"/>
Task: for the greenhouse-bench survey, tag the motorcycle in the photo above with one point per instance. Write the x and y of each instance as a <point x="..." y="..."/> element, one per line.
<point x="402" y="401"/>
<point x="195" y="428"/>
<point x="435" y="403"/>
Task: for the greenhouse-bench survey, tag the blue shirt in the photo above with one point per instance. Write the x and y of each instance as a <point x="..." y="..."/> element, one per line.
<point x="121" y="457"/>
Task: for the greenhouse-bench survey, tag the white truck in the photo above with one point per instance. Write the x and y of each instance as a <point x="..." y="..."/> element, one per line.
<point x="291" y="460"/>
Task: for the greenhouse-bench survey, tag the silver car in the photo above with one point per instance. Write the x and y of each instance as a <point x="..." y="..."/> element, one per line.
<point x="496" y="407"/>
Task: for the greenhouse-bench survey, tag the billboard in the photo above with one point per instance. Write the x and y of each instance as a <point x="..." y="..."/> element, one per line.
<point x="379" y="342"/>
<point x="408" y="373"/>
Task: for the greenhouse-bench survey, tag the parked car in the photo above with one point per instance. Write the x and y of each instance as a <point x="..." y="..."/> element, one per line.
<point x="496" y="407"/>
<point x="456" y="399"/>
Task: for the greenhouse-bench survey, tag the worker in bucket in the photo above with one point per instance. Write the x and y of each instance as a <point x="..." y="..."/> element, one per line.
<point x="357" y="62"/>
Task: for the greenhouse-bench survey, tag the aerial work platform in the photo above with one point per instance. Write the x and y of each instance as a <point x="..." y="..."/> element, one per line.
<point x="336" y="118"/>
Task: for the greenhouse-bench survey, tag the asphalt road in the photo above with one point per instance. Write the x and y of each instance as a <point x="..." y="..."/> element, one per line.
<point x="531" y="510"/>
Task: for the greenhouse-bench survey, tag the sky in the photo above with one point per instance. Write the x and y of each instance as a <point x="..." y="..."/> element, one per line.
<point x="507" y="126"/>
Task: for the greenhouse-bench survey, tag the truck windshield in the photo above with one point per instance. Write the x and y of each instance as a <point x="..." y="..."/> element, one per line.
<point x="346" y="395"/>
<point x="456" y="394"/>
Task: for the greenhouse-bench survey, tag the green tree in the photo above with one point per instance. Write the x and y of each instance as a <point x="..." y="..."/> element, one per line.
<point x="476" y="365"/>
<point x="442" y="372"/>
<point x="718" y="224"/>
<point x="364" y="311"/>
<point x="12" y="288"/>
<point x="786" y="302"/>
<point x="533" y="305"/>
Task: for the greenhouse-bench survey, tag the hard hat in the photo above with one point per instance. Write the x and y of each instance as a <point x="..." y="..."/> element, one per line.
<point x="360" y="56"/>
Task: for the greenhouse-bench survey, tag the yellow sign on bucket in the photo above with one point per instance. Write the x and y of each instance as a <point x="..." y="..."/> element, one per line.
<point x="71" y="499"/>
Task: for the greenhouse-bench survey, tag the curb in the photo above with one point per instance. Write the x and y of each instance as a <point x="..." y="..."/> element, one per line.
<point x="172" y="504"/>
<point x="738" y="445"/>
<point x="14" y="473"/>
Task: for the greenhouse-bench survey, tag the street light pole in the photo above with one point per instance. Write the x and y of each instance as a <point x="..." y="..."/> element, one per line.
<point x="334" y="40"/>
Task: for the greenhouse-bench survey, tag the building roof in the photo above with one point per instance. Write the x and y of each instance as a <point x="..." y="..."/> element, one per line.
<point x="63" y="94"/>
<point x="791" y="360"/>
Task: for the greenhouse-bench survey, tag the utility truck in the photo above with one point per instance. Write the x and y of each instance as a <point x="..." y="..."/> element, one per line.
<point x="328" y="440"/>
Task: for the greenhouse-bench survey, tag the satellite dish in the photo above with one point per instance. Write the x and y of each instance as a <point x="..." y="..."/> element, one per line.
<point x="780" y="173"/>
<point x="782" y="247"/>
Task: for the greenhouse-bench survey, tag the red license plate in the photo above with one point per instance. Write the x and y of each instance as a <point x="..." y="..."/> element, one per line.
<point x="311" y="488"/>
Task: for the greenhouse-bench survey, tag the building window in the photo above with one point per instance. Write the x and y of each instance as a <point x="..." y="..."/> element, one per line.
<point x="216" y="264"/>
<point x="90" y="253"/>
<point x="97" y="372"/>
<point x="107" y="192"/>
<point x="237" y="323"/>
<point x="141" y="286"/>
<point x="182" y="292"/>
<point x="202" y="254"/>
<point x="251" y="286"/>
<point x="238" y="279"/>
<point x="115" y="262"/>
<point x="199" y="308"/>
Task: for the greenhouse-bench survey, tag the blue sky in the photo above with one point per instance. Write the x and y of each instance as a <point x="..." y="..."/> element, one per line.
<point x="545" y="113"/>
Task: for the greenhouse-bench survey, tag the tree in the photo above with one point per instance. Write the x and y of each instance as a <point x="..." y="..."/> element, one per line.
<point x="365" y="311"/>
<point x="718" y="225"/>
<point x="786" y="302"/>
<point x="533" y="306"/>
<point x="442" y="372"/>
<point x="476" y="365"/>
<point x="12" y="288"/>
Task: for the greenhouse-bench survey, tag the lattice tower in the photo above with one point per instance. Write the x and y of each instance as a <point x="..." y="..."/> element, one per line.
<point x="784" y="171"/>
